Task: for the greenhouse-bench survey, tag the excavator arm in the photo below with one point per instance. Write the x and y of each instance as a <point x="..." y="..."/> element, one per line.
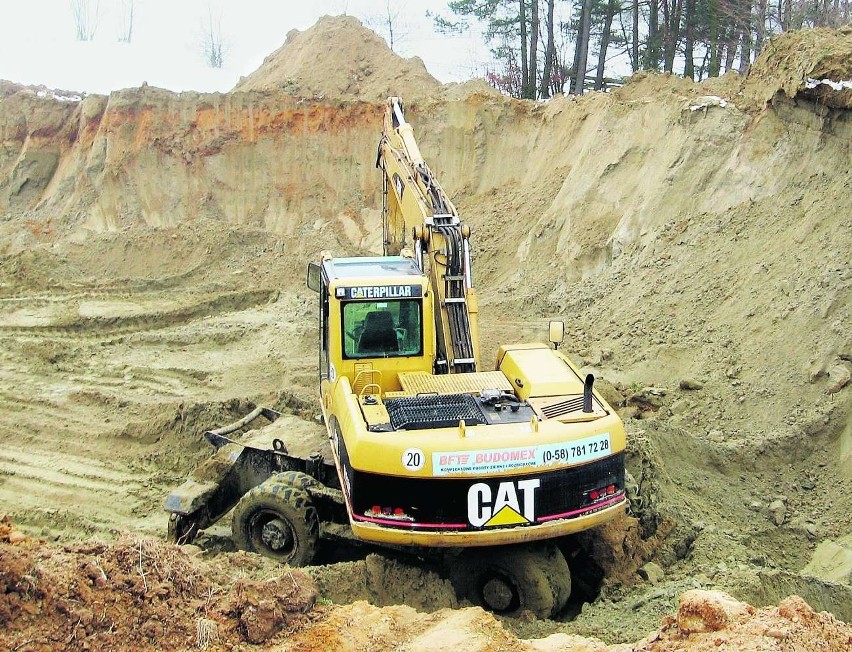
<point x="416" y="211"/>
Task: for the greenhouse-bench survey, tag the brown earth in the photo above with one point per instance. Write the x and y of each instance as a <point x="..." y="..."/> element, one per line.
<point x="152" y="255"/>
<point x="361" y="67"/>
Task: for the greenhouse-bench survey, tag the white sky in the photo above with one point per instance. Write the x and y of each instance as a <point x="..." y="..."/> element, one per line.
<point x="38" y="46"/>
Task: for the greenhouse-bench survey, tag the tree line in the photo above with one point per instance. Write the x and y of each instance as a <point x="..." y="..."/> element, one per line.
<point x="542" y="47"/>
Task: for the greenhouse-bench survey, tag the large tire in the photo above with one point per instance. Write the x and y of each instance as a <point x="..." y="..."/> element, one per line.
<point x="279" y="521"/>
<point x="511" y="579"/>
<point x="183" y="528"/>
<point x="294" y="479"/>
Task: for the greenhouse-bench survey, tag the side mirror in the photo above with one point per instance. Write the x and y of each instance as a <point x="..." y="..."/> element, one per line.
<point x="313" y="281"/>
<point x="557" y="333"/>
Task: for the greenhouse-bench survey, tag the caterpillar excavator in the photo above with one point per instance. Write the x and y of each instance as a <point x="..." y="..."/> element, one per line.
<point x="490" y="470"/>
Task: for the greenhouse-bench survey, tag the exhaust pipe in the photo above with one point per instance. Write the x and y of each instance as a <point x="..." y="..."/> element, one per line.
<point x="587" y="393"/>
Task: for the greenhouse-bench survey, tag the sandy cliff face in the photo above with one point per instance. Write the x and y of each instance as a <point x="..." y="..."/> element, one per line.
<point x="597" y="176"/>
<point x="148" y="156"/>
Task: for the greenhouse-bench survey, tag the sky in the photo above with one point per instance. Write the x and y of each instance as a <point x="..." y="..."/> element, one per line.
<point x="38" y="45"/>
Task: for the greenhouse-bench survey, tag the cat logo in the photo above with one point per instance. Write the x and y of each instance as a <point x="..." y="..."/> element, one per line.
<point x="512" y="504"/>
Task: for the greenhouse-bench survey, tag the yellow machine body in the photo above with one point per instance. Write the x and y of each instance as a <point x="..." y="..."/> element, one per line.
<point x="430" y="449"/>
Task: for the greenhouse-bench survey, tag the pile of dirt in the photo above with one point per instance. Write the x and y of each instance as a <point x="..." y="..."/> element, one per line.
<point x="811" y="63"/>
<point x="704" y="620"/>
<point x="140" y="594"/>
<point x="338" y="58"/>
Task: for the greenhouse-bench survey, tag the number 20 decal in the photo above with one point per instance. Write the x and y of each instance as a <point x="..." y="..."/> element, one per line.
<point x="413" y="459"/>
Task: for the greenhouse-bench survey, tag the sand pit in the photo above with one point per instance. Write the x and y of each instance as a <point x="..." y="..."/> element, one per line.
<point x="698" y="257"/>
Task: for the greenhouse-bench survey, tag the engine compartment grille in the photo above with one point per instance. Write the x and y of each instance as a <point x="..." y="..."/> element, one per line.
<point x="433" y="411"/>
<point x="558" y="409"/>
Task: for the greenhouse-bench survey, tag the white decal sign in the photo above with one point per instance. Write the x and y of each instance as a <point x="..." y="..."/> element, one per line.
<point x="413" y="459"/>
<point x="512" y="504"/>
<point x="498" y="460"/>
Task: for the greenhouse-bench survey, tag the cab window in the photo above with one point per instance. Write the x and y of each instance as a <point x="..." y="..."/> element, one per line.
<point x="379" y="329"/>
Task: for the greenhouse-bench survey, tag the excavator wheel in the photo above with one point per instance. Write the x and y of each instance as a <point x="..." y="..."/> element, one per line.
<point x="182" y="528"/>
<point x="279" y="521"/>
<point x="295" y="479"/>
<point x="512" y="579"/>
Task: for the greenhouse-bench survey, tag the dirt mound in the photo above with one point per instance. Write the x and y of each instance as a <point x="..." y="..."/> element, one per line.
<point x="359" y="66"/>
<point x="708" y="620"/>
<point x="813" y="63"/>
<point x="705" y="620"/>
<point x="382" y="581"/>
<point x="139" y="594"/>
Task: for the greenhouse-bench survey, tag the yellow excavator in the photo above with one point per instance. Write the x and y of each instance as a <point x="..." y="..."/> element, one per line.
<point x="429" y="452"/>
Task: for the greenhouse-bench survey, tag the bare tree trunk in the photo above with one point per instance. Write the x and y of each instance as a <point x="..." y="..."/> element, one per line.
<point x="788" y="15"/>
<point x="86" y="16"/>
<point x="745" y="50"/>
<point x="582" y="56"/>
<point x="550" y="53"/>
<point x="760" y="25"/>
<point x="635" y="56"/>
<point x="605" y="36"/>
<point x="522" y="16"/>
<point x="533" y="71"/>
<point x="704" y="61"/>
<point x="213" y="44"/>
<point x="666" y="33"/>
<point x="672" y="10"/>
<point x="689" y="40"/>
<point x="731" y="52"/>
<point x="715" y="45"/>
<point x="652" y="51"/>
<point x="127" y="10"/>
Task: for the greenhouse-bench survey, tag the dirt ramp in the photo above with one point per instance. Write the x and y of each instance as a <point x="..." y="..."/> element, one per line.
<point x="360" y="65"/>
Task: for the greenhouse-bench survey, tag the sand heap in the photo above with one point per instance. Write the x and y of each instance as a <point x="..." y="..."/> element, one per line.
<point x="360" y="65"/>
<point x="812" y="63"/>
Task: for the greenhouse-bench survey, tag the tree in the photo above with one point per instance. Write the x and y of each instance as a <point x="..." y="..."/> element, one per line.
<point x="86" y="15"/>
<point x="213" y="45"/>
<point x="510" y="28"/>
<point x="606" y="31"/>
<point x="672" y="10"/>
<point x="388" y="23"/>
<point x="535" y="26"/>
<point x="581" y="54"/>
<point x="689" y="40"/>
<point x="126" y="11"/>
<point x="549" y="53"/>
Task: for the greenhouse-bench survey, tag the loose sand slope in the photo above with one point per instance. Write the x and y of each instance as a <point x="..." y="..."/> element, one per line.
<point x="152" y="253"/>
<point x="339" y="59"/>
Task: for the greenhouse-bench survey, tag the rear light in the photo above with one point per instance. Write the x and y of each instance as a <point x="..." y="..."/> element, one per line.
<point x="602" y="492"/>
<point x="392" y="513"/>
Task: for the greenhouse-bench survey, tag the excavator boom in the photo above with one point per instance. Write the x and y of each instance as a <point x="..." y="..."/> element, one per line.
<point x="416" y="211"/>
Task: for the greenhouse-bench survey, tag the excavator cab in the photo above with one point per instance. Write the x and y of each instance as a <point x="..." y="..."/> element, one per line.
<point x="375" y="320"/>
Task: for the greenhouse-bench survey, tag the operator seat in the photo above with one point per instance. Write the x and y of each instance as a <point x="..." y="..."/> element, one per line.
<point x="379" y="335"/>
